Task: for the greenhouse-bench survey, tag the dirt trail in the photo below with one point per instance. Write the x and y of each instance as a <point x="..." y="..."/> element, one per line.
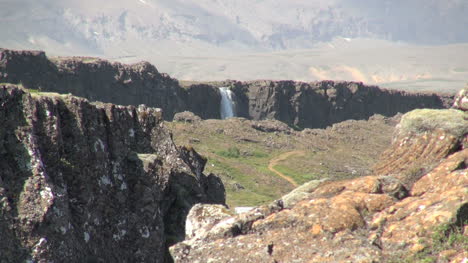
<point x="282" y="157"/>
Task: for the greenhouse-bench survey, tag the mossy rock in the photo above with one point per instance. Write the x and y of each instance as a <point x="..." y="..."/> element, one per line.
<point x="451" y="121"/>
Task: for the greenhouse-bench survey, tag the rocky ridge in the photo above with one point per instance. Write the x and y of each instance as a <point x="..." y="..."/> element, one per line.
<point x="300" y="104"/>
<point x="394" y="215"/>
<point x="92" y="182"/>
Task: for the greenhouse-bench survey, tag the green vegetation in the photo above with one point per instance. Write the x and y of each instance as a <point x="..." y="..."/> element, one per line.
<point x="241" y="155"/>
<point x="20" y="85"/>
<point x="232" y="152"/>
<point x="298" y="177"/>
<point x="445" y="237"/>
<point x="33" y="90"/>
<point x="451" y="121"/>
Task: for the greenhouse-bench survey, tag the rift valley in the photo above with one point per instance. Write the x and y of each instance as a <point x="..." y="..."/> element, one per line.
<point x="107" y="162"/>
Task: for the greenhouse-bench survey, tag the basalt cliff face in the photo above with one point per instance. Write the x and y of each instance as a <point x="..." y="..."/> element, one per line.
<point x="92" y="182"/>
<point x="101" y="80"/>
<point x="321" y="104"/>
<point x="412" y="209"/>
<point x="305" y="105"/>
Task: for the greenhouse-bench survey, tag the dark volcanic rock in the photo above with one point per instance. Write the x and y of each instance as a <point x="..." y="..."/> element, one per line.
<point x="204" y="100"/>
<point x="83" y="182"/>
<point x="94" y="79"/>
<point x="304" y="105"/>
<point x="320" y="104"/>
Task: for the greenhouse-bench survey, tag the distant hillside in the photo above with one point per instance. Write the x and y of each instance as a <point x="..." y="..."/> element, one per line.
<point x="378" y="42"/>
<point x="105" y="26"/>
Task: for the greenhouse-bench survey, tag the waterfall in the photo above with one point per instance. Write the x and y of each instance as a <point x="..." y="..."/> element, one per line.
<point x="227" y="103"/>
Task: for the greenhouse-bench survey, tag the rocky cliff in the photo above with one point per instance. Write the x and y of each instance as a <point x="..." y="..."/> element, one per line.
<point x="412" y="209"/>
<point x="101" y="80"/>
<point x="305" y="105"/>
<point x="321" y="104"/>
<point x="91" y="182"/>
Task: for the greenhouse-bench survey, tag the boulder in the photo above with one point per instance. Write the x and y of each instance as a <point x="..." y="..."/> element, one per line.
<point x="461" y="100"/>
<point x="186" y="116"/>
<point x="271" y="126"/>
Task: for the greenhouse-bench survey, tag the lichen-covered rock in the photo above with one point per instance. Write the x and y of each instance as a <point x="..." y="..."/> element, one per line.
<point x="422" y="139"/>
<point x="202" y="217"/>
<point x="83" y="182"/>
<point x="461" y="100"/>
<point x="368" y="219"/>
<point x="438" y="198"/>
<point x="319" y="227"/>
<point x="186" y="116"/>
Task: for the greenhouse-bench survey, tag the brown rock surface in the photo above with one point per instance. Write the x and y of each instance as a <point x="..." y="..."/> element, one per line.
<point x="83" y="182"/>
<point x="422" y="139"/>
<point x="386" y="217"/>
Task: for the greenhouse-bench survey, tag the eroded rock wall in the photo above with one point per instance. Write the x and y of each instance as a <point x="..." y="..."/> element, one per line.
<point x="95" y="79"/>
<point x="300" y="104"/>
<point x="92" y="182"/>
<point x="321" y="104"/>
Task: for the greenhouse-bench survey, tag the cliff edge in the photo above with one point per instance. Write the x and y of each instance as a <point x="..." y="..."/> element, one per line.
<point x="299" y="104"/>
<point x="92" y="182"/>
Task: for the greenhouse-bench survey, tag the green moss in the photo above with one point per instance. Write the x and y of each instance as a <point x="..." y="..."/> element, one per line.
<point x="444" y="237"/>
<point x="232" y="152"/>
<point x="20" y="85"/>
<point x="33" y="90"/>
<point x="452" y="121"/>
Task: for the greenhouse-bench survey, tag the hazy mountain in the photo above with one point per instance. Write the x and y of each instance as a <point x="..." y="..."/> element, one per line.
<point x="170" y="33"/>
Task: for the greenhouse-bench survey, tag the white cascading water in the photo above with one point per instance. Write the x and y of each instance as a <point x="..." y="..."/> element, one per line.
<point x="227" y="103"/>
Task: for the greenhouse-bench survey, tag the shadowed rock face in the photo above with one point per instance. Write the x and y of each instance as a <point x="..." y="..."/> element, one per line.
<point x="391" y="214"/>
<point x="305" y="105"/>
<point x="101" y="80"/>
<point x="92" y="182"/>
<point x="321" y="104"/>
